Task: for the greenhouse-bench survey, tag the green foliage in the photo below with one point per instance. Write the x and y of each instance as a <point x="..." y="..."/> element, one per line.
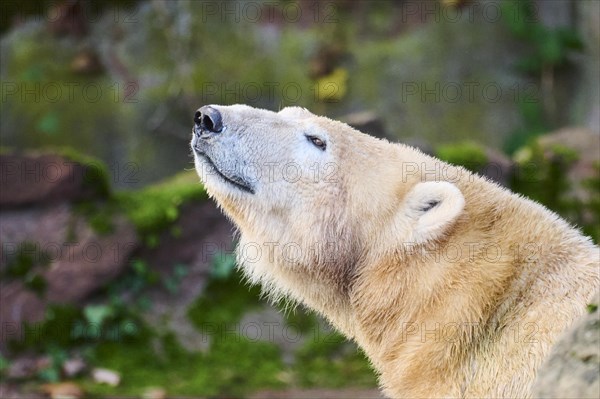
<point x="592" y="307"/>
<point x="99" y="215"/>
<point x="592" y="205"/>
<point x="26" y="264"/>
<point x="69" y="114"/>
<point x="97" y="314"/>
<point x="333" y="87"/>
<point x="542" y="176"/>
<point x="468" y="154"/>
<point x="173" y="282"/>
<point x="240" y="366"/>
<point x="53" y="331"/>
<point x="223" y="302"/>
<point x="154" y="208"/>
<point x="132" y="285"/>
<point x="52" y="373"/>
<point x="4" y="364"/>
<point x="534" y="125"/>
<point x="232" y="367"/>
<point x="223" y="266"/>
<point x="67" y="328"/>
<point x="96" y="175"/>
<point x="328" y="360"/>
<point x="302" y="320"/>
<point x="549" y="47"/>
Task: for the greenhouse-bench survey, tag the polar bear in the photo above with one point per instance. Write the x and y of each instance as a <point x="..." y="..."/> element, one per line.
<point x="452" y="285"/>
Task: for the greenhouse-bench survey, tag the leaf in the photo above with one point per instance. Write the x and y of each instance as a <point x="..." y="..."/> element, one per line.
<point x="129" y="327"/>
<point x="50" y="374"/>
<point x="551" y="50"/>
<point x="4" y="364"/>
<point x="570" y="39"/>
<point x="181" y="270"/>
<point x="223" y="265"/>
<point x="96" y="314"/>
<point x="139" y="267"/>
<point x="49" y="123"/>
<point x="171" y="213"/>
<point x="171" y="284"/>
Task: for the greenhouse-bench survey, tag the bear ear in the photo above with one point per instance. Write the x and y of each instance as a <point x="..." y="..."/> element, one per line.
<point x="431" y="207"/>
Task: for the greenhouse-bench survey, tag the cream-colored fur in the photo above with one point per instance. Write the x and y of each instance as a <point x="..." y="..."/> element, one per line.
<point x="452" y="285"/>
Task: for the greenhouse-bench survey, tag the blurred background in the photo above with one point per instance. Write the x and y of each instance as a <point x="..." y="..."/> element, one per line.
<point x="117" y="275"/>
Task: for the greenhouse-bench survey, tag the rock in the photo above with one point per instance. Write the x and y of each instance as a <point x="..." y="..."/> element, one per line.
<point x="73" y="367"/>
<point x="480" y="159"/>
<point x="47" y="179"/>
<point x="585" y="142"/>
<point x="203" y="233"/>
<point x="18" y="391"/>
<point x="22" y="368"/>
<point x="573" y="368"/>
<point x="105" y="376"/>
<point x="66" y="256"/>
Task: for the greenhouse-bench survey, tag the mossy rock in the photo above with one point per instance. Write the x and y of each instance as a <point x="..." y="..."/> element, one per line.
<point x="467" y="154"/>
<point x="562" y="172"/>
<point x="51" y="175"/>
<point x="154" y="208"/>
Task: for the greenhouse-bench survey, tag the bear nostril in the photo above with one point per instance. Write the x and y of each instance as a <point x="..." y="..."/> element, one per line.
<point x="208" y="119"/>
<point x="208" y="123"/>
<point x="197" y="118"/>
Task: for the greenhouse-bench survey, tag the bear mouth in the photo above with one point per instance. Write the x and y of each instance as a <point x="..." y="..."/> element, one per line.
<point x="233" y="180"/>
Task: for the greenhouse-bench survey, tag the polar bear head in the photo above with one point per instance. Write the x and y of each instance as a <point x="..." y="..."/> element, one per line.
<point x="313" y="196"/>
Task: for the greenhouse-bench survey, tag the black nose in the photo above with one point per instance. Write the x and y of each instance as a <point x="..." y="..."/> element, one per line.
<point x="208" y="119"/>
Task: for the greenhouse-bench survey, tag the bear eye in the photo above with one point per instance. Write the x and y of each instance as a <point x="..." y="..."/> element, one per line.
<point x="319" y="143"/>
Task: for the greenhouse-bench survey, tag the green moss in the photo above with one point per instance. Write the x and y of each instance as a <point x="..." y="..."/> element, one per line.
<point x="592" y="307"/>
<point x="98" y="210"/>
<point x="302" y="320"/>
<point x="467" y="154"/>
<point x="26" y="257"/>
<point x="547" y="46"/>
<point x="4" y="365"/>
<point x="99" y="215"/>
<point x="96" y="175"/>
<point x="69" y="327"/>
<point x="542" y="176"/>
<point x="328" y="360"/>
<point x="592" y="205"/>
<point x="55" y="330"/>
<point x="223" y="302"/>
<point x="155" y="208"/>
<point x="25" y="265"/>
<point x="233" y="367"/>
